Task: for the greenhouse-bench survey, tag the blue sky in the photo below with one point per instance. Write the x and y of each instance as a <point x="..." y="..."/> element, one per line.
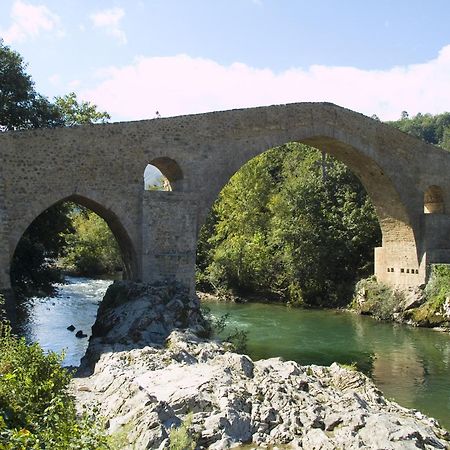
<point x="133" y="58"/>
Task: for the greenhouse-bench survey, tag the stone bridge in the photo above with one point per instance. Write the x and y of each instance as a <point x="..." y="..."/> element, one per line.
<point x="101" y="167"/>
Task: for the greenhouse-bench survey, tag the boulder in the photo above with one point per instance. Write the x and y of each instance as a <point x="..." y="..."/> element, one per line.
<point x="151" y="375"/>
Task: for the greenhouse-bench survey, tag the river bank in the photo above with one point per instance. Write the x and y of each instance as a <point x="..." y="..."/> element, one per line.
<point x="145" y="383"/>
<point x="425" y="306"/>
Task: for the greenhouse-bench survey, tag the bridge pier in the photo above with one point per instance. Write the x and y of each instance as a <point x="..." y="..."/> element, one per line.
<point x="398" y="266"/>
<point x="169" y="237"/>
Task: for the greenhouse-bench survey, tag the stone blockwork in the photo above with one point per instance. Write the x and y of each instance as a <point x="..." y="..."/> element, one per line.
<point x="102" y="166"/>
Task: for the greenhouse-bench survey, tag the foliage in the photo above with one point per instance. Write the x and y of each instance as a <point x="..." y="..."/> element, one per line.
<point x="36" y="410"/>
<point x="219" y="327"/>
<point x="181" y="438"/>
<point x="79" y="113"/>
<point x="376" y="299"/>
<point x="21" y="107"/>
<point x="432" y="129"/>
<point x="290" y="225"/>
<point x="438" y="287"/>
<point x="92" y="248"/>
<point x="437" y="291"/>
<point x="32" y="270"/>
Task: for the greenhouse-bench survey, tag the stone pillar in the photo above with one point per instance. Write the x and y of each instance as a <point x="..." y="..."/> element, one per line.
<point x="398" y="266"/>
<point x="169" y="237"/>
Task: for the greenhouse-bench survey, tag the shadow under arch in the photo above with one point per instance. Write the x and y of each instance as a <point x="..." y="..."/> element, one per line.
<point x="433" y="200"/>
<point x="126" y="247"/>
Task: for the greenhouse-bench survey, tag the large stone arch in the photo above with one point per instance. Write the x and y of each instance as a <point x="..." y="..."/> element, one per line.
<point x="395" y="219"/>
<point x="359" y="142"/>
<point x="126" y="246"/>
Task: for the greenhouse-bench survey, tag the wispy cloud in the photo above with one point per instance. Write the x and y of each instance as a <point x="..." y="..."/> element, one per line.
<point x="109" y="20"/>
<point x="183" y="84"/>
<point x="29" y="21"/>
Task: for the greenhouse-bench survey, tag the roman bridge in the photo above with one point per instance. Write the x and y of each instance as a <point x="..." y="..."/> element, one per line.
<point x="101" y="167"/>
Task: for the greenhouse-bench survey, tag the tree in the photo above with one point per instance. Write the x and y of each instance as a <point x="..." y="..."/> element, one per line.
<point x="21" y="106"/>
<point x="76" y="113"/>
<point x="432" y="129"/>
<point x="92" y="248"/>
<point x="282" y="229"/>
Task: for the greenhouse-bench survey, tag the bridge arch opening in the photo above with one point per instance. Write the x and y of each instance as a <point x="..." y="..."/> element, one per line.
<point x="162" y="174"/>
<point x="60" y="269"/>
<point x="433" y="201"/>
<point x="75" y="234"/>
<point x="295" y="221"/>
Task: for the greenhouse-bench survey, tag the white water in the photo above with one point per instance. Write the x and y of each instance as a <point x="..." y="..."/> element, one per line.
<point x="76" y="304"/>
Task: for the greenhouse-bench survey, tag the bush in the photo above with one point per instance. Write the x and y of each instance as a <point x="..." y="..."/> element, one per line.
<point x="92" y="248"/>
<point x="181" y="438"/>
<point x="436" y="292"/>
<point x="376" y="299"/>
<point x="219" y="326"/>
<point x="36" y="410"/>
<point x="438" y="287"/>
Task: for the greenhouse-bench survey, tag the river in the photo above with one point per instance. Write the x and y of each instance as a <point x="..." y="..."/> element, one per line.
<point x="410" y="365"/>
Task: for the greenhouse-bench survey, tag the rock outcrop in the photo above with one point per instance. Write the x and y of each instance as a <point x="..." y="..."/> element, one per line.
<point x="144" y="392"/>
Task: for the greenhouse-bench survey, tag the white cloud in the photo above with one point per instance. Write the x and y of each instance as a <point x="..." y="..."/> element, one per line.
<point x="183" y="85"/>
<point x="28" y="21"/>
<point x="109" y="20"/>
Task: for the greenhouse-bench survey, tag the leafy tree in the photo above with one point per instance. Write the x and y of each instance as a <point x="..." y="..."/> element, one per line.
<point x="432" y="129"/>
<point x="92" y="248"/>
<point x="79" y="113"/>
<point x="32" y="268"/>
<point x="292" y="225"/>
<point x="21" y="106"/>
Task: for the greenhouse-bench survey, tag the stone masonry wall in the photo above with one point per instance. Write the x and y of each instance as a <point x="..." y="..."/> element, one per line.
<point x="102" y="166"/>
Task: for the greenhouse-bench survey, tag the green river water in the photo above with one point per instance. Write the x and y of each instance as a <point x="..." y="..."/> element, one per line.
<point x="410" y="365"/>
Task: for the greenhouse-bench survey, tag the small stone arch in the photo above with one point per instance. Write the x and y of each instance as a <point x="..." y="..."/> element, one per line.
<point x="169" y="170"/>
<point x="433" y="200"/>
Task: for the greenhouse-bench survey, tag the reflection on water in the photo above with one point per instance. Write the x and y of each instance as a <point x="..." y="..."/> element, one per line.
<point x="76" y="304"/>
<point x="410" y="365"/>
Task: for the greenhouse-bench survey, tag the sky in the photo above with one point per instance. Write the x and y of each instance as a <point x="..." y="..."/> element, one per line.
<point x="135" y="58"/>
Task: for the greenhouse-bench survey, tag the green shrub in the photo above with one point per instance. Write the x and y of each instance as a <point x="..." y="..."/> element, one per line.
<point x="219" y="326"/>
<point x="436" y="292"/>
<point x="438" y="287"/>
<point x="376" y="299"/>
<point x="181" y="438"/>
<point x="36" y="410"/>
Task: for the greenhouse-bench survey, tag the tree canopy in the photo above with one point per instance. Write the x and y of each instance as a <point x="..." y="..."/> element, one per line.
<point x="74" y="112"/>
<point x="432" y="129"/>
<point x="21" y="106"/>
<point x="285" y="228"/>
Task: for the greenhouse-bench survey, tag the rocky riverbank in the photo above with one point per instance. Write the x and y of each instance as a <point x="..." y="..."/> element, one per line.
<point x="427" y="306"/>
<point x="153" y="369"/>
